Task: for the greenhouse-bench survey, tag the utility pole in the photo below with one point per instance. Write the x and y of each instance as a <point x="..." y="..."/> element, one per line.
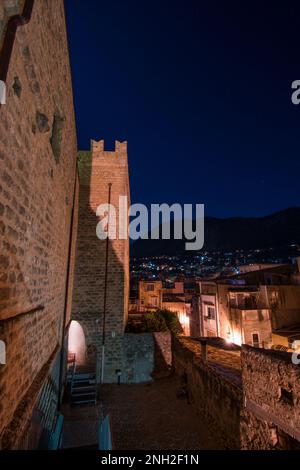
<point x="105" y="287"/>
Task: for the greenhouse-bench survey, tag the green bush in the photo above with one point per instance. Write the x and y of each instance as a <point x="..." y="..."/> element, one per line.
<point x="152" y="322"/>
<point x="161" y="320"/>
<point x="172" y="321"/>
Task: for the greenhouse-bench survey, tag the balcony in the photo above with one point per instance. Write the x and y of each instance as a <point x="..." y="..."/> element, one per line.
<point x="247" y="303"/>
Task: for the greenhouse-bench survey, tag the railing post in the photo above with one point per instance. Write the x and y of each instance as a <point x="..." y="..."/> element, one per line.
<point x="203" y="349"/>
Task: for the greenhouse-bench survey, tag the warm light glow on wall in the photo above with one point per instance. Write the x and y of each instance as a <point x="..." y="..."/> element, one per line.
<point x="185" y="323"/>
<point x="234" y="337"/>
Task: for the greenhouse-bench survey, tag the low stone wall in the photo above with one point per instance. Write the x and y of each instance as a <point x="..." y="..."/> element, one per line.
<point x="217" y="399"/>
<point x="138" y="358"/>
<point x="163" y="341"/>
<point x="271" y="390"/>
<point x="162" y="354"/>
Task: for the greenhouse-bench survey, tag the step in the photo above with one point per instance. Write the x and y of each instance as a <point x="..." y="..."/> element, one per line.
<point x="83" y="379"/>
<point x="84" y="387"/>
<point x="84" y="394"/>
<point x="81" y="402"/>
<point x="84" y="376"/>
<point x="81" y="385"/>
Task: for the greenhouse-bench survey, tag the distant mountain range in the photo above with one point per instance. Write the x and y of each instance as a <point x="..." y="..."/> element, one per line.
<point x="278" y="229"/>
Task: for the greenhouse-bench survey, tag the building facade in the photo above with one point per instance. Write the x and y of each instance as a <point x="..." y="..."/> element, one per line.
<point x="150" y="295"/>
<point x="259" y="308"/>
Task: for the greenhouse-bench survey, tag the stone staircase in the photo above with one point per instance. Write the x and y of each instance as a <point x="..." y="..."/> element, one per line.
<point x="83" y="386"/>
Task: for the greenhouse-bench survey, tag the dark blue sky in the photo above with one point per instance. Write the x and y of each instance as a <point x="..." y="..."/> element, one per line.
<point x="201" y="90"/>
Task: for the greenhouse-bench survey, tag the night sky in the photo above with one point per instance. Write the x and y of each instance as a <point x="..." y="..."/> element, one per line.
<point x="202" y="92"/>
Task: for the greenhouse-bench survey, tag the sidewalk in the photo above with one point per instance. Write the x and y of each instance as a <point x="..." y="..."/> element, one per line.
<point x="151" y="417"/>
<point x="80" y="426"/>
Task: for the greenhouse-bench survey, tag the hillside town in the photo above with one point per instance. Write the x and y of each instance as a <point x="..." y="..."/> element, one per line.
<point x="259" y="305"/>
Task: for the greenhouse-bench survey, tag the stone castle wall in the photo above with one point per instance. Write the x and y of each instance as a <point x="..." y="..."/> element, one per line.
<point x="97" y="169"/>
<point x="37" y="174"/>
<point x="218" y="400"/>
<point x="263" y="413"/>
<point x="270" y="417"/>
<point x="138" y="358"/>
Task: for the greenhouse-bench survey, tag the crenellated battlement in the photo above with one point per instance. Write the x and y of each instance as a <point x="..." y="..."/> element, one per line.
<point x="98" y="149"/>
<point x="99" y="159"/>
<point x="97" y="146"/>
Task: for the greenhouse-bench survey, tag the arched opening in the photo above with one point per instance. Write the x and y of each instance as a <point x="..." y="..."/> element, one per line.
<point x="76" y="343"/>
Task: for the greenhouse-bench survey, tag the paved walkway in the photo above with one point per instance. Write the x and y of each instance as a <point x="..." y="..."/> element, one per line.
<point x="152" y="417"/>
<point x="80" y="426"/>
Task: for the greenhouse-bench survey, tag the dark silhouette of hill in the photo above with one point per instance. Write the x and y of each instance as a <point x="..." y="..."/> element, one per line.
<point x="278" y="229"/>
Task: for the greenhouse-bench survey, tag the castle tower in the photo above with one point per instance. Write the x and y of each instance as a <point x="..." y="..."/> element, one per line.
<point x="101" y="286"/>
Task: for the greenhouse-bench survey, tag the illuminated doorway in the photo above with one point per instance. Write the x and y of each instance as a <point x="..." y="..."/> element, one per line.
<point x="77" y="344"/>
